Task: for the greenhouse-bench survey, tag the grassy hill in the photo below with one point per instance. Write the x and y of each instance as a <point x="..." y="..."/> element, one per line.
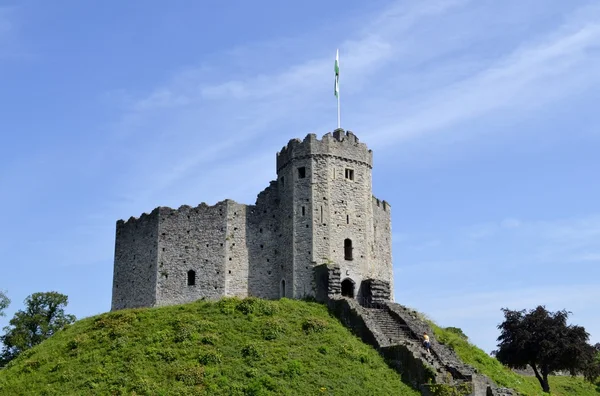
<point x="233" y="347"/>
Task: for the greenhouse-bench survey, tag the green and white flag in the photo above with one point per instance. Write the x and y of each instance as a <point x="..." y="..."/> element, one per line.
<point x="337" y="74"/>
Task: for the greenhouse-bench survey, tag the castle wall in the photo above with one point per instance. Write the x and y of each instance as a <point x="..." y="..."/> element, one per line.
<point x="134" y="278"/>
<point x="301" y="225"/>
<point x="236" y="250"/>
<point x="382" y="252"/>
<point x="191" y="239"/>
<point x="265" y="252"/>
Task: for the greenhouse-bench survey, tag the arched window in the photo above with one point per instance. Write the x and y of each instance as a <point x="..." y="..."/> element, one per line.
<point x="348" y="288"/>
<point x="191" y="278"/>
<point x="282" y="288"/>
<point x="348" y="249"/>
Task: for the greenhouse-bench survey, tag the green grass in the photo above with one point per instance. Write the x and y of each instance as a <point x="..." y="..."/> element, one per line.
<point x="232" y="347"/>
<point x="529" y="386"/>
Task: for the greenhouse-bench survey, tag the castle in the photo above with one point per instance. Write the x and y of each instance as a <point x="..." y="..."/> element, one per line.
<point x="315" y="231"/>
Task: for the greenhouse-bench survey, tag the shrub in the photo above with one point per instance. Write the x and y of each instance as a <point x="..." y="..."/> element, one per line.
<point x="253" y="305"/>
<point x="210" y="357"/>
<point x="116" y="324"/>
<point x="161" y="354"/>
<point x="293" y="369"/>
<point x="314" y="325"/>
<point x="184" y="331"/>
<point x="273" y="329"/>
<point x="228" y="305"/>
<point x="190" y="375"/>
<point x="250" y="351"/>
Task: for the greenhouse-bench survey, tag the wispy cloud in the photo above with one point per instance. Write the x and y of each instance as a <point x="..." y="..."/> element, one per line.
<point x="392" y="54"/>
<point x="529" y="77"/>
<point x="194" y="108"/>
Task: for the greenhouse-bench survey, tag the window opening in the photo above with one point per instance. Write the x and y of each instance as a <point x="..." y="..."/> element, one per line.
<point x="321" y="213"/>
<point x="283" y="288"/>
<point x="302" y="172"/>
<point x="348" y="249"/>
<point x="347" y="219"/>
<point x="349" y="174"/>
<point x="191" y="278"/>
<point x="303" y="211"/>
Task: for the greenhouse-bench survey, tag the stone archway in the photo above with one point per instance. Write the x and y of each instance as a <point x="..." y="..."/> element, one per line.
<point x="348" y="288"/>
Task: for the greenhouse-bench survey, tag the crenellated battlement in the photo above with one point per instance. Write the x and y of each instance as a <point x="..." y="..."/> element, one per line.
<point x="341" y="144"/>
<point x="166" y="211"/>
<point x="383" y="204"/>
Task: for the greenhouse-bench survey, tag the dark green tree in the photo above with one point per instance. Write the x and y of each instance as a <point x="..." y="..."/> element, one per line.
<point x="4" y="302"/>
<point x="592" y="370"/>
<point x="43" y="316"/>
<point x="543" y="340"/>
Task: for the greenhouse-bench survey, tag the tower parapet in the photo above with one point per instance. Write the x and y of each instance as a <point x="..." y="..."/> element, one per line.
<point x="340" y="144"/>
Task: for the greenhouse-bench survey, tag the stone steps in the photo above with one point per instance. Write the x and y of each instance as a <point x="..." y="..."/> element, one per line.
<point x="397" y="332"/>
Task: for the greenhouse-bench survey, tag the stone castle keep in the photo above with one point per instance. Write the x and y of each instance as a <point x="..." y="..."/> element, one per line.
<point x="315" y="231"/>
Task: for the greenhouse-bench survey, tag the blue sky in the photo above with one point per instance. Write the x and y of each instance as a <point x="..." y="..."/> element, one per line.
<point x="482" y="116"/>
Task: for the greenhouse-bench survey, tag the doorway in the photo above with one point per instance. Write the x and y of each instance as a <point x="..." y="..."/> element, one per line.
<point x="348" y="288"/>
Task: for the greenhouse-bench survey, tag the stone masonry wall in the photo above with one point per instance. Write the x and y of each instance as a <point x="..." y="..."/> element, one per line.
<point x="283" y="236"/>
<point x="236" y="250"/>
<point x="134" y="280"/>
<point x="191" y="239"/>
<point x="381" y="252"/>
<point x="265" y="263"/>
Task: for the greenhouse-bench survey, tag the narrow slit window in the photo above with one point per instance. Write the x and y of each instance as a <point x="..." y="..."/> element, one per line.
<point x="303" y="211"/>
<point x="282" y="181"/>
<point x="349" y="174"/>
<point x="348" y="249"/>
<point x="302" y="172"/>
<point x="321" y="213"/>
<point x="191" y="278"/>
<point x="347" y="219"/>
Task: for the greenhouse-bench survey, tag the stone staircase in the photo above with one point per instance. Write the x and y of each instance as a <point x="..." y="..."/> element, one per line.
<point x="393" y="331"/>
<point x="396" y="332"/>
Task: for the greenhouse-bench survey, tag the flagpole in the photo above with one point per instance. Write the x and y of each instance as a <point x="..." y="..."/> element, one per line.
<point x="337" y="84"/>
<point x="338" y="106"/>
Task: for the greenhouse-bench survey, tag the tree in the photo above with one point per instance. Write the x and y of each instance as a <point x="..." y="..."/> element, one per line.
<point x="591" y="370"/>
<point x="543" y="340"/>
<point x="4" y="302"/>
<point x="44" y="315"/>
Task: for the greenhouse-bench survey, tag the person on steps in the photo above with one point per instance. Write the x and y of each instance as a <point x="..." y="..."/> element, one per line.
<point x="426" y="342"/>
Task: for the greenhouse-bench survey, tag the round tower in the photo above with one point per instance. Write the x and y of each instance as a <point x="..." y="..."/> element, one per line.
<point x="328" y="212"/>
